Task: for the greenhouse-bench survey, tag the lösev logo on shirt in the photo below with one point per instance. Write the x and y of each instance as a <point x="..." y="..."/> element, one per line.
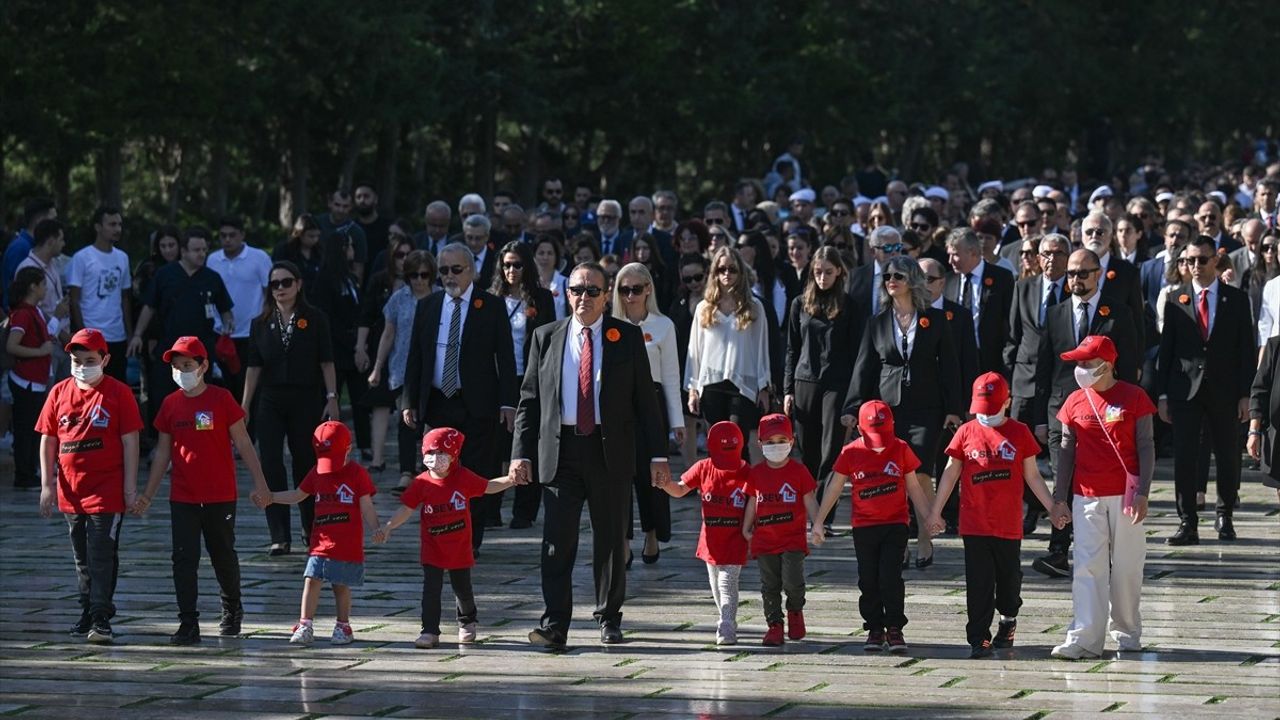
<point x="1004" y="451"/>
<point x="878" y="490"/>
<point x="343" y="495"/>
<point x="737" y="499"/>
<point x="785" y="494"/>
<point x="892" y="470"/>
<point x="457" y="502"/>
<point x="204" y="419"/>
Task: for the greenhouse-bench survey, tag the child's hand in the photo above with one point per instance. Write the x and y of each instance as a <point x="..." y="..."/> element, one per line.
<point x="1060" y="515"/>
<point x="380" y="535"/>
<point x="747" y="532"/>
<point x="818" y="536"/>
<point x="140" y="505"/>
<point x="260" y="499"/>
<point x="936" y="525"/>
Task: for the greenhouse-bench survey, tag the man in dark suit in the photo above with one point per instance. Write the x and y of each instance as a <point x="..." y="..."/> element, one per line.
<point x="586" y="403"/>
<point x="1209" y="218"/>
<point x="986" y="292"/>
<point x="461" y="370"/>
<point x="612" y="239"/>
<point x="476" y="235"/>
<point x="1118" y="281"/>
<point x="1032" y="299"/>
<point x="1153" y="271"/>
<point x="1065" y="325"/>
<point x="1207" y="356"/>
<point x="864" y="282"/>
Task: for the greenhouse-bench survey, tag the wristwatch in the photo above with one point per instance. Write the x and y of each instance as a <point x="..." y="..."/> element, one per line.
<point x="331" y="396"/>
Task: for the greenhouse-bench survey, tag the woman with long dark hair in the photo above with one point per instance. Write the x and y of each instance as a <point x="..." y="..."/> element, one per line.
<point x="164" y="250"/>
<point x="302" y="248"/>
<point x="1266" y="266"/>
<point x="548" y="256"/>
<point x="693" y="269"/>
<point x="644" y="250"/>
<point x="379" y="399"/>
<point x="337" y="294"/>
<point x="290" y="368"/>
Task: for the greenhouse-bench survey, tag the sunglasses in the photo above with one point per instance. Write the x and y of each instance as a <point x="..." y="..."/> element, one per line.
<point x="1093" y="232"/>
<point x="839" y="213"/>
<point x="446" y="270"/>
<point x="726" y="270"/>
<point x="284" y="283"/>
<point x="588" y="290"/>
<point x="889" y="248"/>
<point x="1027" y="223"/>
<point x="687" y="279"/>
<point x="1082" y="273"/>
<point x="419" y="276"/>
<point x="1027" y="253"/>
<point x="714" y="221"/>
<point x="1199" y="260"/>
<point x="1268" y="247"/>
<point x="512" y="266"/>
<point x="921" y="227"/>
<point x="631" y="290"/>
<point x="894" y="276"/>
<point x="400" y="254"/>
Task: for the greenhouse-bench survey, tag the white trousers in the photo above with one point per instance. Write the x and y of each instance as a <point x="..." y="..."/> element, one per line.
<point x="1109" y="552"/>
<point x="724" y="589"/>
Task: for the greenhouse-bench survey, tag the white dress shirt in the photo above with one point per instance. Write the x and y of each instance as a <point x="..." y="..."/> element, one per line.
<point x="910" y="334"/>
<point x="1213" y="301"/>
<point x="723" y="352"/>
<point x="1269" y="314"/>
<point x="1047" y="285"/>
<point x="569" y="370"/>
<point x="660" y="344"/>
<point x="1093" y="301"/>
<point x="442" y="335"/>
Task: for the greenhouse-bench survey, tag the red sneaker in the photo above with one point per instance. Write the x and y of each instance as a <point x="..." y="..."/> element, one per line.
<point x="773" y="637"/>
<point x="795" y="624"/>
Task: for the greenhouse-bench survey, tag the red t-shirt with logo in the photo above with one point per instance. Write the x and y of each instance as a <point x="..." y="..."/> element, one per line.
<point x="337" y="532"/>
<point x="1099" y="473"/>
<point x="88" y="425"/>
<point x="35" y="332"/>
<point x="781" y="519"/>
<point x="724" y="502"/>
<point x="991" y="478"/>
<point x="204" y="470"/>
<point x="445" y="516"/>
<point x="878" y="480"/>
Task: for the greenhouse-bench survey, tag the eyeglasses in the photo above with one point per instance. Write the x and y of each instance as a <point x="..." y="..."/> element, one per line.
<point x="400" y="254"/>
<point x="713" y="221"/>
<point x="726" y="270"/>
<point x="1082" y="273"/>
<point x="284" y="283"/>
<point x="1200" y="260"/>
<point x="452" y="270"/>
<point x="512" y="266"/>
<point x="419" y="276"/>
<point x="839" y="213"/>
<point x="606" y="217"/>
<point x="1027" y="253"/>
<point x="1051" y="254"/>
<point x="921" y="227"/>
<point x="631" y="290"/>
<point x="1093" y="232"/>
<point x="690" y="279"/>
<point x="1027" y="223"/>
<point x="888" y="248"/>
<point x="588" y="290"/>
<point x="894" y="276"/>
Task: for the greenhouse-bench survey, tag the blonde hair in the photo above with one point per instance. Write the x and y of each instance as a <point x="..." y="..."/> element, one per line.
<point x="740" y="291"/>
<point x="637" y="270"/>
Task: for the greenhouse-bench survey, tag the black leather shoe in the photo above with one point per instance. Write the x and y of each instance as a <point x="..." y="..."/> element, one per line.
<point x="1226" y="530"/>
<point x="548" y="638"/>
<point x="1055" y="564"/>
<point x="520" y="523"/>
<point x="651" y="559"/>
<point x="1187" y="534"/>
<point x="610" y="634"/>
<point x="631" y="557"/>
<point x="188" y="634"/>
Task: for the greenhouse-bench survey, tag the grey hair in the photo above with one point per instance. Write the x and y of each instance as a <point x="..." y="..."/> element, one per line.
<point x="643" y="199"/>
<point x="606" y="204"/>
<point x="665" y="194"/>
<point x="439" y="205"/>
<point x="460" y="248"/>
<point x="1058" y="238"/>
<point x="477" y="221"/>
<point x="963" y="237"/>
<point x="911" y="204"/>
<point x="884" y="235"/>
<point x="908" y="266"/>
<point x="1099" y="216"/>
<point x="984" y="208"/>
<point x="471" y="198"/>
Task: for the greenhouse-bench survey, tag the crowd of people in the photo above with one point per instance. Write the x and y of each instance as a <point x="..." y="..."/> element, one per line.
<point x="924" y="344"/>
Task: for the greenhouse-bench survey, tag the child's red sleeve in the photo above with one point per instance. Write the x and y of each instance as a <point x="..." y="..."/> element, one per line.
<point x="692" y="478"/>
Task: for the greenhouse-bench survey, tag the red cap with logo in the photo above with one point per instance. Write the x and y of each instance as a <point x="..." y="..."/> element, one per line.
<point x="724" y="445"/>
<point x="186" y="345"/>
<point x="875" y="423"/>
<point x="1093" y="347"/>
<point x="331" y="440"/>
<point x="87" y="339"/>
<point x="990" y="391"/>
<point x="443" y="440"/>
<point x="225" y="350"/>
<point x="775" y="424"/>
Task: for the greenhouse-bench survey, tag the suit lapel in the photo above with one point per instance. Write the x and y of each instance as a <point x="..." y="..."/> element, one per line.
<point x="555" y="360"/>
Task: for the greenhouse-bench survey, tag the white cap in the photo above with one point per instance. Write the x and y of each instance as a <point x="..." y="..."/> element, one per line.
<point x="1220" y="196"/>
<point x="803" y="195"/>
<point x="860" y="200"/>
<point x="996" y="185"/>
<point x="1165" y="196"/>
<point x="1041" y="191"/>
<point x="1103" y="191"/>
<point x="937" y="191"/>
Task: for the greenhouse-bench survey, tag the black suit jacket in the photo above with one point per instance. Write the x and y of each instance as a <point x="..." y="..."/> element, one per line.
<point x="966" y="347"/>
<point x="629" y="412"/>
<point x="488" y="267"/>
<point x="1023" y="346"/>
<point x="1055" y="377"/>
<point x="935" y="369"/>
<point x="993" y="316"/>
<point x="486" y="366"/>
<point x="861" y="282"/>
<point x="1152" y="274"/>
<point x="1123" y="286"/>
<point x="1225" y="361"/>
<point x="1264" y="405"/>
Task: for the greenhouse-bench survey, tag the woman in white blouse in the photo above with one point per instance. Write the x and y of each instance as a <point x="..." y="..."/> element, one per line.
<point x="547" y="253"/>
<point x="635" y="302"/>
<point x="727" y="368"/>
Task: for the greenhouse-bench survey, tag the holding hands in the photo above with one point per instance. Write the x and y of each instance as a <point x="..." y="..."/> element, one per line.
<point x="1060" y="515"/>
<point x="520" y="472"/>
<point x="935" y="524"/>
<point x="381" y="535"/>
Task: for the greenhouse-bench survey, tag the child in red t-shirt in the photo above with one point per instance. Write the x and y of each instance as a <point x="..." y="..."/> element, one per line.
<point x="721" y="483"/>
<point x="90" y="424"/>
<point x="777" y="488"/>
<point x="881" y="468"/>
<point x="444" y="494"/>
<point x="29" y="342"/>
<point x="197" y="426"/>
<point x="337" y="533"/>
<point x="992" y="457"/>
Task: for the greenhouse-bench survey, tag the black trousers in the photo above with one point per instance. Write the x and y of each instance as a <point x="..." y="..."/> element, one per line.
<point x="27" y="405"/>
<point x="582" y="477"/>
<point x="288" y="414"/>
<point x="433" y="584"/>
<point x="408" y="447"/>
<point x="992" y="582"/>
<point x="653" y="503"/>
<point x="477" y="450"/>
<point x="819" y="434"/>
<point x="722" y="401"/>
<point x="1217" y="410"/>
<point x="883" y="594"/>
<point x="357" y="384"/>
<point x="95" y="544"/>
<point x="215" y="523"/>
<point x="528" y="498"/>
<point x="118" y="368"/>
<point x="234" y="382"/>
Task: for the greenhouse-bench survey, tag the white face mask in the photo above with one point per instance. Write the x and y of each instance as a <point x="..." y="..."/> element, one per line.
<point x="1086" y="377"/>
<point x="86" y="373"/>
<point x="776" y="452"/>
<point x="991" y="420"/>
<point x="186" y="380"/>
<point x="437" y="463"/>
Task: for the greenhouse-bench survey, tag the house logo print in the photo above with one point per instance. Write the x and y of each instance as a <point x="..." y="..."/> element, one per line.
<point x="345" y="495"/>
<point x="458" y="501"/>
<point x="788" y="493"/>
<point x="1006" y="451"/>
<point x="738" y="498"/>
<point x="892" y="469"/>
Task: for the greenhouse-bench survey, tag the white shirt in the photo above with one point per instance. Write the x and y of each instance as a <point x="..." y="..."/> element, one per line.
<point x="739" y="217"/>
<point x="1045" y="286"/>
<point x="442" y="336"/>
<point x="910" y="335"/>
<point x="723" y="352"/>
<point x="569" y="370"/>
<point x="52" y="282"/>
<point x="519" y="322"/>
<point x="664" y="365"/>
<point x="1269" y="313"/>
<point x="245" y="276"/>
<point x="102" y="279"/>
<point x="1212" y="289"/>
<point x="480" y="260"/>
<point x="975" y="288"/>
<point x="1076" y="300"/>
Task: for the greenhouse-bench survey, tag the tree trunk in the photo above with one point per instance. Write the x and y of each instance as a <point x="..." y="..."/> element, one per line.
<point x="295" y="171"/>
<point x="62" y="183"/>
<point x="385" y="166"/>
<point x="350" y="155"/>
<point x="108" y="173"/>
<point x="219" y="177"/>
<point x="485" y="162"/>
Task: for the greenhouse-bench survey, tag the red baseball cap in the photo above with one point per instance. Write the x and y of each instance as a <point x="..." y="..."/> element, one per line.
<point x="724" y="445"/>
<point x="1092" y="348"/>
<point x="186" y="345"/>
<point x="443" y="440"/>
<point x="87" y="339"/>
<point x="225" y="350"/>
<point x="875" y="423"/>
<point x="331" y="440"/>
<point x="775" y="424"/>
<point x="990" y="391"/>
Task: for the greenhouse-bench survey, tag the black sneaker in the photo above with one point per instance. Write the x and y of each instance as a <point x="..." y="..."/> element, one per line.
<point x="1004" y="634"/>
<point x="230" y="624"/>
<point x="100" y="632"/>
<point x="1054" y="565"/>
<point x="188" y="634"/>
<point x="875" y="641"/>
<point x="82" y="626"/>
<point x="980" y="650"/>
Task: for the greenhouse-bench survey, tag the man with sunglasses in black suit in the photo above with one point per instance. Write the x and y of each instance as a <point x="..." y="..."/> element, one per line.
<point x="986" y="292"/>
<point x="864" y="282"/>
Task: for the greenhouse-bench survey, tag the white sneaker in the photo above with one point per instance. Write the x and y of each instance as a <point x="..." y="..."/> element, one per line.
<point x="302" y="635"/>
<point x="426" y="641"/>
<point x="467" y="633"/>
<point x="726" y="634"/>
<point x="1069" y="651"/>
<point x="342" y="634"/>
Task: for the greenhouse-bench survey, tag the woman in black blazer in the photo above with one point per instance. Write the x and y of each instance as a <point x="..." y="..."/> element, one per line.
<point x="921" y="383"/>
<point x="1264" y="415"/>
<point x="823" y="338"/>
<point x="529" y="306"/>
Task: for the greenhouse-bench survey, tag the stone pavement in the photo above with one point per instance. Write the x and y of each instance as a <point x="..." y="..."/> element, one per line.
<point x="1212" y="634"/>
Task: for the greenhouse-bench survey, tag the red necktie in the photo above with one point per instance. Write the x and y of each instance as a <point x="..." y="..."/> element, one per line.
<point x="1204" y="314"/>
<point x="586" y="388"/>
